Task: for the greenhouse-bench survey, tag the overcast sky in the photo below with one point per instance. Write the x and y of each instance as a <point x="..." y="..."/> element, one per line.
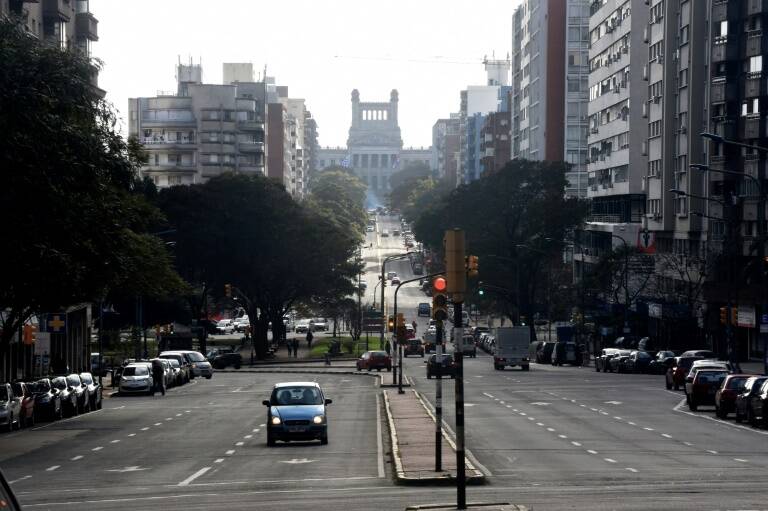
<point x="321" y="49"/>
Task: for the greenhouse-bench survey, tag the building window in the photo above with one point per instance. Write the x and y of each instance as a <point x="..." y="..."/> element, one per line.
<point x="384" y="160"/>
<point x="756" y="64"/>
<point x="356" y="160"/>
<point x="364" y="163"/>
<point x="654" y="168"/>
<point x="374" y="161"/>
<point x="654" y="129"/>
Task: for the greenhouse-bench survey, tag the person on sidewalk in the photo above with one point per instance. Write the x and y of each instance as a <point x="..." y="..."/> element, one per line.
<point x="289" y="346"/>
<point x="158" y="376"/>
<point x="309" y="339"/>
<point x="295" y="348"/>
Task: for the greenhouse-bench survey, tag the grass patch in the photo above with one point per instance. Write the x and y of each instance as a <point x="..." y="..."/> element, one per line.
<point x="348" y="346"/>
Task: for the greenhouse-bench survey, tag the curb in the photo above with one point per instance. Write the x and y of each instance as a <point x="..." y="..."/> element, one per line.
<point x="505" y="506"/>
<point x="443" y="479"/>
<point x="289" y="370"/>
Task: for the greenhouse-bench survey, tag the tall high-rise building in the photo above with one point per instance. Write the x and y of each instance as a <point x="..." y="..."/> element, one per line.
<point x="200" y="130"/>
<point x="550" y="47"/>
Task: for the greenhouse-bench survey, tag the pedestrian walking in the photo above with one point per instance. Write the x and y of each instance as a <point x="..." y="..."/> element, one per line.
<point x="309" y="339"/>
<point x="388" y="348"/>
<point x="158" y="376"/>
<point x="295" y="348"/>
<point x="414" y="325"/>
<point x="289" y="346"/>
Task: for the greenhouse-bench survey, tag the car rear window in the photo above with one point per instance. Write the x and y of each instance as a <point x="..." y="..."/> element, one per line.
<point x="135" y="371"/>
<point x="195" y="356"/>
<point x="736" y="383"/>
<point x="73" y="380"/>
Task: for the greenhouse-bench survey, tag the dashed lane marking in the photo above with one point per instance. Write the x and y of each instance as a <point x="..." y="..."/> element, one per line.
<point x="51" y="469"/>
<point x="194" y="476"/>
<point x="563" y="437"/>
<point x="648" y="429"/>
<point x="114" y="442"/>
<point x="230" y="452"/>
<point x="97" y="448"/>
<point x="551" y="430"/>
<point x="666" y="435"/>
<point x="633" y="470"/>
<point x="144" y="429"/>
<point x="590" y="451"/>
<point x="711" y="452"/>
<point x="248" y="437"/>
<point x="219" y="460"/>
<point x="610" y="460"/>
<point x="131" y="434"/>
<point x="741" y="460"/>
<point x="78" y="457"/>
<point x="239" y="444"/>
<point x="577" y="444"/>
<point x="158" y="424"/>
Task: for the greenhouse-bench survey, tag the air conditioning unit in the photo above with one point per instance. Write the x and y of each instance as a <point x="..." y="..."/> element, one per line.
<point x="656" y="99"/>
<point x="683" y="129"/>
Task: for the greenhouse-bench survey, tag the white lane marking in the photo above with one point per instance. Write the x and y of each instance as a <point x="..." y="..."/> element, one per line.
<point x="689" y="444"/>
<point x="666" y="435"/>
<point x="247" y="437"/>
<point x="230" y="452"/>
<point x="19" y="479"/>
<point x="648" y="429"/>
<point x="514" y="409"/>
<point x="78" y="457"/>
<point x="540" y="403"/>
<point x="131" y="434"/>
<point x="603" y="413"/>
<point x="262" y="425"/>
<point x="741" y="460"/>
<point x="563" y="437"/>
<point x="593" y="409"/>
<point x="97" y="448"/>
<point x="583" y="406"/>
<point x="144" y="429"/>
<point x="509" y="406"/>
<point x="379" y="441"/>
<point x="239" y="444"/>
<point x="51" y="469"/>
<point x="523" y="414"/>
<point x="577" y="444"/>
<point x="531" y="418"/>
<point x="613" y="402"/>
<point x="169" y="418"/>
<point x="187" y="411"/>
<point x="631" y="423"/>
<point x="255" y="430"/>
<point x="488" y="395"/>
<point x="633" y="470"/>
<point x="540" y="424"/>
<point x="617" y="418"/>
<point x="194" y="476"/>
<point x="158" y="423"/>
<point x="114" y="441"/>
<point x="501" y="402"/>
<point x="711" y="452"/>
<point x="551" y="430"/>
<point x="178" y="415"/>
<point x="590" y="451"/>
<point x="219" y="460"/>
<point x="298" y="461"/>
<point x="610" y="460"/>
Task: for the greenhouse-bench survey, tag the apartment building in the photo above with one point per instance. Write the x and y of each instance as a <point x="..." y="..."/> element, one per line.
<point x="550" y="47"/>
<point x="618" y="132"/>
<point x="200" y="130"/>
<point x="445" y="149"/>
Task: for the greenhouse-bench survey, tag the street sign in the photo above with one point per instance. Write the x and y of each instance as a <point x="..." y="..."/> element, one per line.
<point x="54" y="323"/>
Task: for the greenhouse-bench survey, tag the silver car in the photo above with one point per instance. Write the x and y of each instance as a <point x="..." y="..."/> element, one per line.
<point x="200" y="366"/>
<point x="137" y="378"/>
<point x="10" y="408"/>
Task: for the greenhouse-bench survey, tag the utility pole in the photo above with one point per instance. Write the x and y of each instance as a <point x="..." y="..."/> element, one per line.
<point x="439" y="399"/>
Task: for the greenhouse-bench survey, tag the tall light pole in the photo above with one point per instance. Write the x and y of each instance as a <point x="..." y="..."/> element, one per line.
<point x="383" y="285"/>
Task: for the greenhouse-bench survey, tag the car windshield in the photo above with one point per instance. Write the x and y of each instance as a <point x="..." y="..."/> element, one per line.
<point x="379" y="353"/>
<point x="60" y="383"/>
<point x="299" y="395"/>
<point x="177" y="358"/>
<point x="135" y="371"/>
<point x="736" y="383"/>
<point x="86" y="378"/>
<point x="73" y="380"/>
<point x="3" y="393"/>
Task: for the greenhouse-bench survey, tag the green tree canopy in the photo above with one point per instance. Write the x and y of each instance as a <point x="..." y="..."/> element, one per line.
<point x="75" y="225"/>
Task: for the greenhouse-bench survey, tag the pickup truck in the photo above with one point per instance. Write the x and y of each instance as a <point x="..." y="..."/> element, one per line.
<point x="512" y="347"/>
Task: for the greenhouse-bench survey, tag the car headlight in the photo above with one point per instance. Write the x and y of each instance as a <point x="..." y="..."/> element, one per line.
<point x="276" y="421"/>
<point x="194" y="366"/>
<point x="319" y="419"/>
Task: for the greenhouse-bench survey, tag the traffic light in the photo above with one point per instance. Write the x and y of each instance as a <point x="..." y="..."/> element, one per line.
<point x="723" y="315"/>
<point x="439" y="299"/>
<point x="481" y="291"/>
<point x="472" y="265"/>
<point x="391" y="323"/>
<point x="455" y="271"/>
<point x="400" y="332"/>
<point x="228" y="290"/>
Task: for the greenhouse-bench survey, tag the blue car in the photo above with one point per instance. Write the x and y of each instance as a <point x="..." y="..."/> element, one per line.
<point x="297" y="411"/>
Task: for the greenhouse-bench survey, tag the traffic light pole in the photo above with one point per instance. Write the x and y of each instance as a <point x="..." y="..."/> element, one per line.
<point x="439" y="399"/>
<point x="383" y="315"/>
<point x="399" y="354"/>
<point x="461" y="476"/>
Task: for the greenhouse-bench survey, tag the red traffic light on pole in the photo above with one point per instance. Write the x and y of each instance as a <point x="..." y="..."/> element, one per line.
<point x="439" y="299"/>
<point x="439" y="285"/>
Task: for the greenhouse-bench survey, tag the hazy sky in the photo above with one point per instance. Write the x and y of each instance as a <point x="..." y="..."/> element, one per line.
<point x="320" y="49"/>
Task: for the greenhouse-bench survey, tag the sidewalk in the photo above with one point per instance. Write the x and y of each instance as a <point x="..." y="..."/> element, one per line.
<point x="412" y="430"/>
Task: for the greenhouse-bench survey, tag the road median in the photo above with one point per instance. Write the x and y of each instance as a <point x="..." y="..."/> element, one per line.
<point x="412" y="432"/>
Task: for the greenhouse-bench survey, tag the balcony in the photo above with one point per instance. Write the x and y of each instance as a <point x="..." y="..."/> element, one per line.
<point x="725" y="48"/>
<point x="756" y="43"/>
<point x="250" y="125"/>
<point x="162" y="142"/>
<point x="754" y="85"/>
<point x="60" y="10"/>
<point x="723" y="91"/>
<point x="725" y="9"/>
<point x="173" y="167"/>
<point x="251" y="147"/>
<point x="87" y="26"/>
<point x="757" y="7"/>
<point x="753" y="127"/>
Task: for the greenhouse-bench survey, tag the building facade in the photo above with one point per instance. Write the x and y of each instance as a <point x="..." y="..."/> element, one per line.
<point x="445" y="149"/>
<point x="550" y="51"/>
<point x="201" y="130"/>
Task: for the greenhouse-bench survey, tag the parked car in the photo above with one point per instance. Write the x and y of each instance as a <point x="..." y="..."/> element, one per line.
<point x="705" y="354"/>
<point x="225" y="326"/>
<point x="410" y="332"/>
<point x="47" y="400"/>
<point x="395" y="280"/>
<point x="94" y="390"/>
<point x="81" y="391"/>
<point x="22" y="391"/>
<point x="638" y="362"/>
<point x="137" y="378"/>
<point x="677" y="371"/>
<point x="318" y="325"/>
<point x="566" y="353"/>
<point x="418" y="269"/>
<point x="178" y="374"/>
<point x="759" y="406"/>
<point x="544" y="355"/>
<point x="96" y="368"/>
<point x="617" y="362"/>
<point x="225" y="360"/>
<point x="67" y="395"/>
<point x="743" y="405"/>
<point x="424" y="310"/>
<point x="241" y="323"/>
<point x="10" y="408"/>
<point x="184" y="366"/>
<point x="440" y="365"/>
<point x="168" y="376"/>
<point x="413" y="347"/>
<point x="602" y="361"/>
<point x="707" y="364"/>
<point x="297" y="411"/>
<point x="198" y="365"/>
<point x="371" y="360"/>
<point x="725" y="398"/>
<point x="704" y="386"/>
<point x="661" y="362"/>
<point x="302" y="327"/>
<point x="391" y="275"/>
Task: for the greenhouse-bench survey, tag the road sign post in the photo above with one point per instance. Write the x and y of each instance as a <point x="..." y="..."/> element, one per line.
<point x="439" y="398"/>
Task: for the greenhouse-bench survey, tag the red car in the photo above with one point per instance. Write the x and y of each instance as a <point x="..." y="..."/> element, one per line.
<point x="725" y="398"/>
<point x="678" y="370"/>
<point x="371" y="360"/>
<point x="27" y="415"/>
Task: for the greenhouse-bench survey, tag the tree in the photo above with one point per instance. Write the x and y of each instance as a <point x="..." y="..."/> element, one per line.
<point x="339" y="196"/>
<point x="74" y="225"/>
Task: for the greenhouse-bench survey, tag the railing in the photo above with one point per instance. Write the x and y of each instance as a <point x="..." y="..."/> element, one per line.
<point x="162" y="140"/>
<point x="608" y="219"/>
